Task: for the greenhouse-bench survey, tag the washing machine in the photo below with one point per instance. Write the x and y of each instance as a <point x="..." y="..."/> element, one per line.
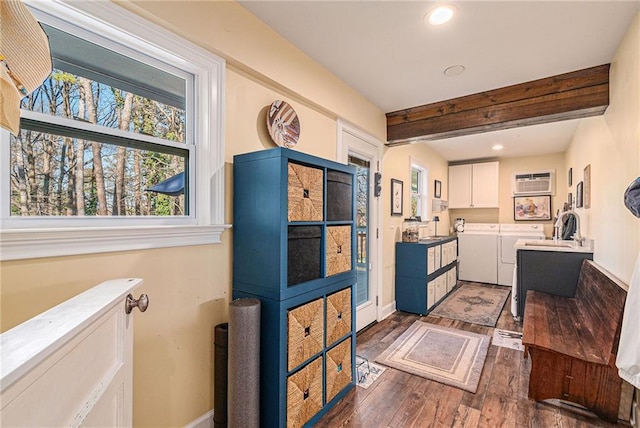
<point x="509" y="234"/>
<point x="478" y="252"/>
<point x="507" y="269"/>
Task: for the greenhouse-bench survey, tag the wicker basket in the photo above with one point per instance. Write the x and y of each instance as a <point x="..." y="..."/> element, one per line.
<point x="304" y="394"/>
<point x="305" y="193"/>
<point x="338" y="249"/>
<point x="338" y="315"/>
<point x="305" y="332"/>
<point x="338" y="369"/>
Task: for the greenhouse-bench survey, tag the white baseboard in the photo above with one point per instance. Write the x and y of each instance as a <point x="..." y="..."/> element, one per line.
<point x="204" y="421"/>
<point x="387" y="310"/>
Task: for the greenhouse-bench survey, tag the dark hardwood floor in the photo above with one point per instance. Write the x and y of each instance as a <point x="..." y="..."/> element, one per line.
<point x="398" y="399"/>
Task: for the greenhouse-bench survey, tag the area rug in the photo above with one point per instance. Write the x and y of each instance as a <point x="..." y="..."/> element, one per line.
<point x="445" y="355"/>
<point x="367" y="372"/>
<point x="507" y="339"/>
<point x="473" y="303"/>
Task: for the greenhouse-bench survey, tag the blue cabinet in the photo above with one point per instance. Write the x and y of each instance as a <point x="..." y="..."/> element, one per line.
<point x="552" y="272"/>
<point x="426" y="272"/>
<point x="294" y="249"/>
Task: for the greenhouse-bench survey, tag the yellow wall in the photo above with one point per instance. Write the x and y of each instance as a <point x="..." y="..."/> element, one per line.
<point x="611" y="145"/>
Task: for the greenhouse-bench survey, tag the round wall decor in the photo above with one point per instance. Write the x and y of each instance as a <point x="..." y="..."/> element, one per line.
<point x="283" y="124"/>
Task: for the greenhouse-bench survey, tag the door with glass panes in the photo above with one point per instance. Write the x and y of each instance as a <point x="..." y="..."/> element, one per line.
<point x="364" y="156"/>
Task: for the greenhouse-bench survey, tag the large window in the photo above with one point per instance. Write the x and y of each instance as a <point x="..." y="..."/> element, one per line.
<point x="126" y="131"/>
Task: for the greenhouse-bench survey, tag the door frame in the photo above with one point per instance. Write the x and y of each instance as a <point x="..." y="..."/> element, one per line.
<point x="375" y="243"/>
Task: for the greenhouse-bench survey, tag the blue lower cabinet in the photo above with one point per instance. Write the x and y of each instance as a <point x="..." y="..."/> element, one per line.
<point x="426" y="272"/>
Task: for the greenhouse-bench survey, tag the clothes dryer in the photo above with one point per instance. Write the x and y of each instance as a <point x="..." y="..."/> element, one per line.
<point x="478" y="252"/>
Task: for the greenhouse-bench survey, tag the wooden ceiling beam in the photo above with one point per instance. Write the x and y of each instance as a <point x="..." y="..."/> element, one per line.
<point x="566" y="96"/>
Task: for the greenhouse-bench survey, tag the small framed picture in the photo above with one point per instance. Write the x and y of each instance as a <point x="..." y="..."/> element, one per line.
<point x="437" y="191"/>
<point x="536" y="208"/>
<point x="570" y="177"/>
<point x="579" y="195"/>
<point x="396" y="197"/>
<point x="587" y="187"/>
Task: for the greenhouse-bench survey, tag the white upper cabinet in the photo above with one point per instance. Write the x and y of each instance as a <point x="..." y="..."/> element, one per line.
<point x="474" y="185"/>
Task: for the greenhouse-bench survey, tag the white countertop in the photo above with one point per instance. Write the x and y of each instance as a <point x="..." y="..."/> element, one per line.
<point x="550" y="245"/>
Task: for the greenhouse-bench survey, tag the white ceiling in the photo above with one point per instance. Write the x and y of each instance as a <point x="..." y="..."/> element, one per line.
<point x="384" y="50"/>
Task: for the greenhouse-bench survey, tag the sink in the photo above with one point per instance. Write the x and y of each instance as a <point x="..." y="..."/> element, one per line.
<point x="559" y="244"/>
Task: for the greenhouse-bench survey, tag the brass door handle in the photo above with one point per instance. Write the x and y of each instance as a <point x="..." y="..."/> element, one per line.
<point x="142" y="303"/>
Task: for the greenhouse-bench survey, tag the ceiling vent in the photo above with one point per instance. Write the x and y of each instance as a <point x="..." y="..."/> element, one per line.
<point x="534" y="183"/>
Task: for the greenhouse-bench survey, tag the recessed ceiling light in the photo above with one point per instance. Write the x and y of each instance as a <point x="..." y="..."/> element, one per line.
<point x="497" y="147"/>
<point x="454" y="70"/>
<point x="440" y="14"/>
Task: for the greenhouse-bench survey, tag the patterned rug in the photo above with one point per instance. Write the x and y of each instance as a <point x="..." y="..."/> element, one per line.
<point x="367" y="372"/>
<point x="445" y="355"/>
<point x="477" y="304"/>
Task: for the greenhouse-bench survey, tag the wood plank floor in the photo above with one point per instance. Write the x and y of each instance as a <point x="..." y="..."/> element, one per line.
<point x="398" y="399"/>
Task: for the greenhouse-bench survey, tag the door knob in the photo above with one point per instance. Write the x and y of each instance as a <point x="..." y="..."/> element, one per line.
<point x="142" y="303"/>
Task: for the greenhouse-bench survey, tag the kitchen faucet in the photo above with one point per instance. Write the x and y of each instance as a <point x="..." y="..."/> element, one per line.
<point x="558" y="225"/>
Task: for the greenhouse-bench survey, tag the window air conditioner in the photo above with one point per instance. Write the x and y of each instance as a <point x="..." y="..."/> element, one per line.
<point x="534" y="183"/>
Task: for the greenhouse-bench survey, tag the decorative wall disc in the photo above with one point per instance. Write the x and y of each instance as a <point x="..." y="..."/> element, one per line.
<point x="283" y="124"/>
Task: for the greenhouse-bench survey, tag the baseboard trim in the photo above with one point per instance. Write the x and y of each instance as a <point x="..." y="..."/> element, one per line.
<point x="204" y="421"/>
<point x="387" y="310"/>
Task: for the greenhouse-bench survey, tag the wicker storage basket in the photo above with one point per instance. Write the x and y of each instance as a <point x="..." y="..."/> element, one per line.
<point x="339" y="196"/>
<point x="305" y="332"/>
<point x="305" y="193"/>
<point x="304" y="253"/>
<point x="338" y="371"/>
<point x="338" y="315"/>
<point x="304" y="394"/>
<point x="338" y="249"/>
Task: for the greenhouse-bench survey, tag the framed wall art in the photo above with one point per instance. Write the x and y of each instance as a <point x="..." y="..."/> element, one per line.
<point x="587" y="187"/>
<point x="396" y="197"/>
<point x="537" y="208"/>
<point x="437" y="191"/>
<point x="579" y="195"/>
<point x="570" y="177"/>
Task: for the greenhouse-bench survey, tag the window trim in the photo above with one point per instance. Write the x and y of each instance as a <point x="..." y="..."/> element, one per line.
<point x="90" y="235"/>
<point x="423" y="194"/>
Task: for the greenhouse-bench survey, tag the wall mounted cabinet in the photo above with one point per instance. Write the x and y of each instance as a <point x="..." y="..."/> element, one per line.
<point x="425" y="273"/>
<point x="294" y="249"/>
<point x="474" y="185"/>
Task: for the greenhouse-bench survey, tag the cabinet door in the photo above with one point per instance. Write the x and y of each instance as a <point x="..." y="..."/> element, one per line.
<point x="441" y="286"/>
<point x="460" y="186"/>
<point x="431" y="294"/>
<point x="451" y="279"/>
<point x="437" y="259"/>
<point x="431" y="260"/>
<point x="485" y="180"/>
<point x="447" y="253"/>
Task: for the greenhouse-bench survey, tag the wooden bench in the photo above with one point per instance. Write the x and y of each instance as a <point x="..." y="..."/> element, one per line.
<point x="573" y="342"/>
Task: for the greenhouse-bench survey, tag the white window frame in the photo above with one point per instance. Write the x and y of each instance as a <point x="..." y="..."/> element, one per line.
<point x="423" y="190"/>
<point x="23" y="237"/>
